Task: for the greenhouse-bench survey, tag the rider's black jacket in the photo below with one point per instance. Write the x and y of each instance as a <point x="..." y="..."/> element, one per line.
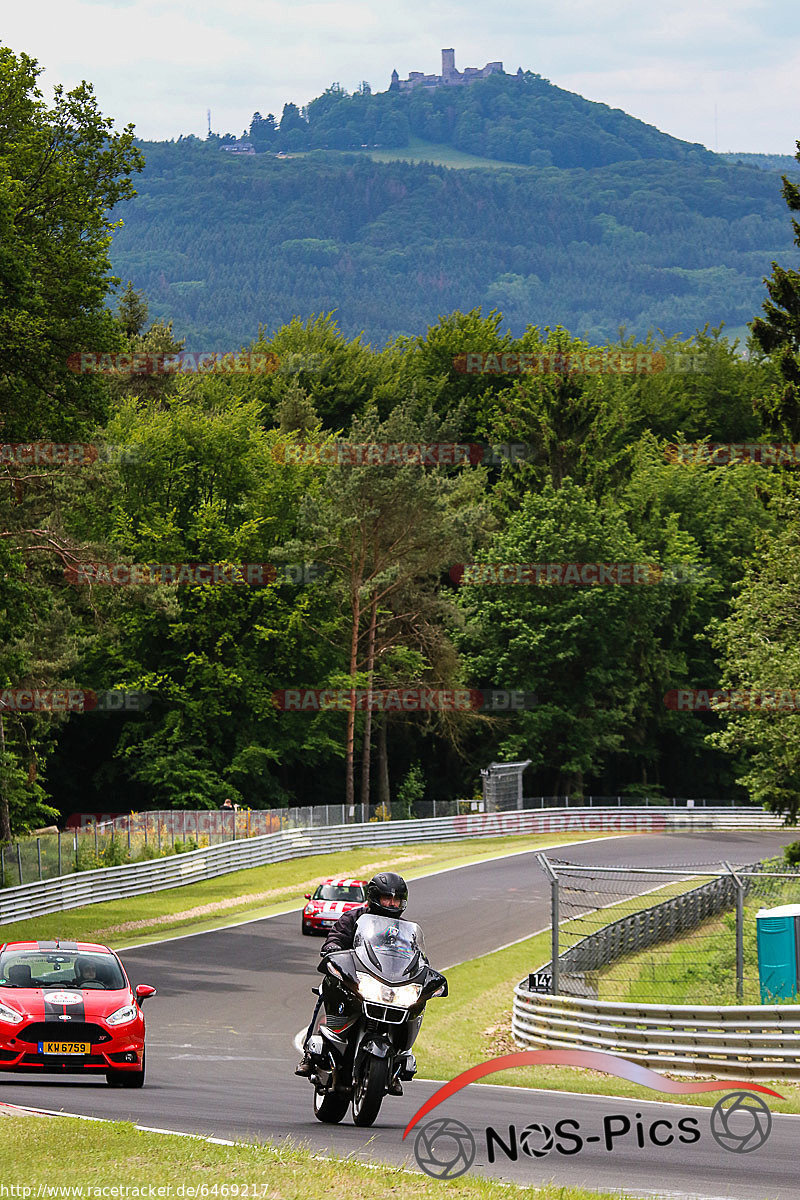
<point x="342" y="933"/>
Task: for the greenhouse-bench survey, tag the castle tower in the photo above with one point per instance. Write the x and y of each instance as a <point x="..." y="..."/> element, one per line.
<point x="448" y="65"/>
<point x="394" y="86"/>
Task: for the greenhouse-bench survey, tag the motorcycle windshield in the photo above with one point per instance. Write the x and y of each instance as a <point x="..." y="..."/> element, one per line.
<point x="394" y="949"/>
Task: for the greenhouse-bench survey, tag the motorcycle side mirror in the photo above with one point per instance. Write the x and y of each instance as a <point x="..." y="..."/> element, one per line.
<point x="440" y="988"/>
<point x="340" y="970"/>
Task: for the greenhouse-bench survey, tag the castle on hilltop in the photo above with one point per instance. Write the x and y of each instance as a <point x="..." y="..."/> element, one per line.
<point x="449" y="77"/>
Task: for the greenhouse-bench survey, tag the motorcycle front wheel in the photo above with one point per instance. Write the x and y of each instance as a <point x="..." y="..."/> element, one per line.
<point x="330" y="1107"/>
<point x="369" y="1090"/>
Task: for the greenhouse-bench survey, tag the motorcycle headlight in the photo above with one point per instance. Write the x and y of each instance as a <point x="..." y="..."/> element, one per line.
<point x="122" y="1015"/>
<point x="381" y="993"/>
<point x="10" y="1015"/>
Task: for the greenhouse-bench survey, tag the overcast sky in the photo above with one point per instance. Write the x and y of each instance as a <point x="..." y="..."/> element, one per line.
<point x="721" y="72"/>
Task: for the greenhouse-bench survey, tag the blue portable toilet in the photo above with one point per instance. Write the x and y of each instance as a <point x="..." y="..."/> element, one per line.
<point x="778" y="941"/>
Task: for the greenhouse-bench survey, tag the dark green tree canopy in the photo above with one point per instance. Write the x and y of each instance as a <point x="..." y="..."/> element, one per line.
<point x="62" y="170"/>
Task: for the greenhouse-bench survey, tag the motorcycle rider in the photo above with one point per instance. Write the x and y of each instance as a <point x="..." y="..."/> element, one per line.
<point x="387" y="896"/>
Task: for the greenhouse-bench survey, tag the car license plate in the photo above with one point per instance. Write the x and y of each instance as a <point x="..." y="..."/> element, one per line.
<point x="61" y="1048"/>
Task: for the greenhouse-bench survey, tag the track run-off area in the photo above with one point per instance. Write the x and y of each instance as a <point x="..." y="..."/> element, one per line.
<point x="221" y="1053"/>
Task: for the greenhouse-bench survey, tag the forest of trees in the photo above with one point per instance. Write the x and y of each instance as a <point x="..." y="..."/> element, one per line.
<point x="206" y="475"/>
<point x="222" y="244"/>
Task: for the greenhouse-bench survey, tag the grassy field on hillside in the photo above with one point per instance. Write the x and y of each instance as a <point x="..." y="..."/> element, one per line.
<point x="420" y="151"/>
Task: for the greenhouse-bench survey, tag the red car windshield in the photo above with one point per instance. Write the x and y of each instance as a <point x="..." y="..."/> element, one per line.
<point x="332" y="891"/>
<point x="60" y="969"/>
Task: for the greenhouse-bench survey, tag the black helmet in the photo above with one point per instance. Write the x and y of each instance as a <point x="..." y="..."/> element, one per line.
<point x="382" y="886"/>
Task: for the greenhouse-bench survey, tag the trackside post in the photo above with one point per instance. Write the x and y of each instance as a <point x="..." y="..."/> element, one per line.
<point x="548" y="870"/>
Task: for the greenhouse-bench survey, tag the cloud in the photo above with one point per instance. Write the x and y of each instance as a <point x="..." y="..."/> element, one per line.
<point x="162" y="63"/>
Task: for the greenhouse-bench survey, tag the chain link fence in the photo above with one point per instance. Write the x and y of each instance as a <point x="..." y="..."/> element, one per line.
<point x="106" y="839"/>
<point x="673" y="935"/>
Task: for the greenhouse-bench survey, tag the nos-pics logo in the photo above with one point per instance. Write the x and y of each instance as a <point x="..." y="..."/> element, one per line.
<point x="740" y="1122"/>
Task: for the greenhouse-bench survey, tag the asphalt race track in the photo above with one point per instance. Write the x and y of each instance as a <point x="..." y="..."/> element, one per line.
<point x="230" y="1002"/>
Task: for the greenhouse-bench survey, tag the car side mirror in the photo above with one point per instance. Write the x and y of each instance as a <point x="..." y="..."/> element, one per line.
<point x="308" y="895"/>
<point x="143" y="992"/>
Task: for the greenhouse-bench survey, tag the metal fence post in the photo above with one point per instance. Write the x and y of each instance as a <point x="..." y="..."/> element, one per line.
<point x="739" y="933"/>
<point x="59" y="851"/>
<point x="19" y="862"/>
<point x="548" y="870"/>
<point x="2" y="866"/>
<point x="75" y="839"/>
<point x="129" y="833"/>
<point x="95" y="839"/>
<point x="39" y="856"/>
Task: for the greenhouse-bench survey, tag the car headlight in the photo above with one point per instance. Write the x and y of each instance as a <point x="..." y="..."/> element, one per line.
<point x="381" y="993"/>
<point x="122" y="1015"/>
<point x="10" y="1015"/>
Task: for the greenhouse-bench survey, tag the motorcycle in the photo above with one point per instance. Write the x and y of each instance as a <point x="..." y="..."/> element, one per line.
<point x="380" y="989"/>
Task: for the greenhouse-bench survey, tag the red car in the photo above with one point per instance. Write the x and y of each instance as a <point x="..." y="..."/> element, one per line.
<point x="332" y="898"/>
<point x="67" y="1007"/>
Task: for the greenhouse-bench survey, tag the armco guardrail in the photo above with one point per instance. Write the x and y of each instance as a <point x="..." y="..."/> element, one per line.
<point x="135" y="879"/>
<point x="736" y="1042"/>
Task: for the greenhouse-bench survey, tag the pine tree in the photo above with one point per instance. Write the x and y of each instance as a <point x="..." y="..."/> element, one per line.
<point x="132" y="311"/>
<point x="779" y="332"/>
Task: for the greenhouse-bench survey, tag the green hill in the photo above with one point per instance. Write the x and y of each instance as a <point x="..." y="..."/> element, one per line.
<point x="631" y="227"/>
<point x="514" y="118"/>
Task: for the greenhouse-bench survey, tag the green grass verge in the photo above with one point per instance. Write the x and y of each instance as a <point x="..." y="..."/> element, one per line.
<point x="258" y="891"/>
<point x="473" y="1024"/>
<point x="92" y="1155"/>
<point x="701" y="967"/>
